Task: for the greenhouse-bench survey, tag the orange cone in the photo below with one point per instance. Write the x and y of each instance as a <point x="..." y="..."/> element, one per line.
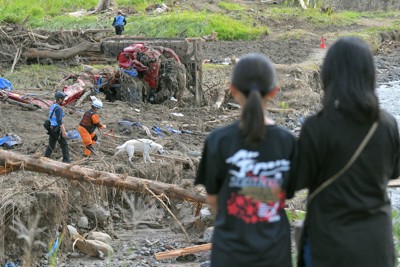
<point x="322" y="44"/>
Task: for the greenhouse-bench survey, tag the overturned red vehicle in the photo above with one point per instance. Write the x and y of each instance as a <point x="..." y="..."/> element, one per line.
<point x="145" y="62"/>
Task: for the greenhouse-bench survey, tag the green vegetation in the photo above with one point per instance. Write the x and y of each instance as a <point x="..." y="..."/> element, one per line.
<point x="295" y="215"/>
<point x="13" y="11"/>
<point x="237" y="24"/>
<point x="231" y="6"/>
<point x="190" y="24"/>
<point x="396" y="229"/>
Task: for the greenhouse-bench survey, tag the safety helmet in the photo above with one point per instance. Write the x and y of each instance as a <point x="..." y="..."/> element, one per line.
<point x="59" y="95"/>
<point x="97" y="104"/>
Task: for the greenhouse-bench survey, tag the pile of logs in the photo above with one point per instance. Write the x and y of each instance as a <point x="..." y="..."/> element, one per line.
<point x="20" y="45"/>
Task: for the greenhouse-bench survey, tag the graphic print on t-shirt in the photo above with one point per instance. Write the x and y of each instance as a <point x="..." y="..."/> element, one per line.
<point x="260" y="197"/>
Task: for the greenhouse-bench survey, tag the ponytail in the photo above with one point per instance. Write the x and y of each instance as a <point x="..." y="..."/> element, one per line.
<point x="252" y="119"/>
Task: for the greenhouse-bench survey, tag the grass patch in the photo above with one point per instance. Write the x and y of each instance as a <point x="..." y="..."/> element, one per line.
<point x="46" y="77"/>
<point x="315" y="16"/>
<point x="396" y="230"/>
<point x="15" y="11"/>
<point x="372" y="35"/>
<point x="231" y="6"/>
<point x="190" y="24"/>
<point x="295" y="215"/>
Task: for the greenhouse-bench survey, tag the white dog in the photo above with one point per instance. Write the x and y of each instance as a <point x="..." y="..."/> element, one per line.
<point x="145" y="146"/>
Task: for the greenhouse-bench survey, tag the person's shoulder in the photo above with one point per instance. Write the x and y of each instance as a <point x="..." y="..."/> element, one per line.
<point x="282" y="131"/>
<point x="223" y="132"/>
<point x="388" y="119"/>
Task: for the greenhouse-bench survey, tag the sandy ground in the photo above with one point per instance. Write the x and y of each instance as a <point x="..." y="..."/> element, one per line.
<point x="137" y="223"/>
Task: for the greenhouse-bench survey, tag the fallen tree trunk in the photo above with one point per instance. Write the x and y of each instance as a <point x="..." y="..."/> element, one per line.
<point x="33" y="53"/>
<point x="17" y="161"/>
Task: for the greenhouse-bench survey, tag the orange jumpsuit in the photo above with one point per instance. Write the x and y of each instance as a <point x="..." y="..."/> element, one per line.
<point x="86" y="129"/>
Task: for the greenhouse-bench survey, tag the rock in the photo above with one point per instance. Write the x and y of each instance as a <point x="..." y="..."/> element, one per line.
<point x="83" y="222"/>
<point x="208" y="233"/>
<point x="98" y="213"/>
<point x="99" y="236"/>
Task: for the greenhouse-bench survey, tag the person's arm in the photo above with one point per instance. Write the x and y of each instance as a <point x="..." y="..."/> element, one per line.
<point x="124" y="21"/>
<point x="114" y="22"/>
<point x="96" y="121"/>
<point x="212" y="201"/>
<point x="59" y="117"/>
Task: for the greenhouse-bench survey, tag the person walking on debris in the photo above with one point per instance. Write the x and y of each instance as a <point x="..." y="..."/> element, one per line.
<point x="119" y="23"/>
<point x="245" y="169"/>
<point x="57" y="130"/>
<point x="349" y="217"/>
<point x="88" y="125"/>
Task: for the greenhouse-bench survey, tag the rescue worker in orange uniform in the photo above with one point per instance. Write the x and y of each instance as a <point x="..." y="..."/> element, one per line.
<point x="88" y="125"/>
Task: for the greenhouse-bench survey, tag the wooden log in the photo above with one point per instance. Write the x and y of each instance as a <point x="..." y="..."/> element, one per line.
<point x="182" y="252"/>
<point x="4" y="170"/>
<point x="33" y="53"/>
<point x="83" y="97"/>
<point x="73" y="172"/>
<point x="40" y="44"/>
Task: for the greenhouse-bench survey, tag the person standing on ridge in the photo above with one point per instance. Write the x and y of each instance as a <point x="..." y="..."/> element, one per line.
<point x="119" y="23"/>
<point x="57" y="130"/>
<point x="88" y="125"/>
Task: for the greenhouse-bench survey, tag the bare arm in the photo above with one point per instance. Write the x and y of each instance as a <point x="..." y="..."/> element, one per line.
<point x="212" y="200"/>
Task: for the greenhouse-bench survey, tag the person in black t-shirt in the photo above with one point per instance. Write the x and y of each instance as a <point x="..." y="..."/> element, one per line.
<point x="245" y="170"/>
<point x="349" y="222"/>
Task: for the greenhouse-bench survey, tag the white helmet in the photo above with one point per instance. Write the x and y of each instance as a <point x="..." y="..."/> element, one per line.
<point x="97" y="104"/>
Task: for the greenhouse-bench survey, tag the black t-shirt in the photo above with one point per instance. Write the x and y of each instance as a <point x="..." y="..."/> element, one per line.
<point x="251" y="227"/>
<point x="349" y="223"/>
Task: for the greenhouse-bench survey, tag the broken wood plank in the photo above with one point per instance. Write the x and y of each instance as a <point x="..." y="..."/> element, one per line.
<point x="182" y="251"/>
<point x="18" y="161"/>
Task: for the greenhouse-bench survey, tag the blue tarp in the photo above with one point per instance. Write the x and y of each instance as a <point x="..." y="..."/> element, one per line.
<point x="73" y="134"/>
<point x="5" y="84"/>
<point x="131" y="72"/>
<point x="129" y="123"/>
<point x="8" y="140"/>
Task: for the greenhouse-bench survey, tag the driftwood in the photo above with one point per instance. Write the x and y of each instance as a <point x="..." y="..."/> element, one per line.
<point x="83" y="97"/>
<point x="72" y="172"/>
<point x="46" y="45"/>
<point x="182" y="252"/>
<point x="33" y="53"/>
<point x="394" y="183"/>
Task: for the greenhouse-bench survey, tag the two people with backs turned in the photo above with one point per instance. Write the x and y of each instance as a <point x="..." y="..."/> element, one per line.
<point x="250" y="167"/>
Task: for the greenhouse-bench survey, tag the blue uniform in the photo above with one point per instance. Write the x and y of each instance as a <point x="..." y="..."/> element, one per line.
<point x="56" y="115"/>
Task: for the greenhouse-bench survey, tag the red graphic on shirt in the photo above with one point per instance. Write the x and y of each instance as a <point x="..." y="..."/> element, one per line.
<point x="253" y="211"/>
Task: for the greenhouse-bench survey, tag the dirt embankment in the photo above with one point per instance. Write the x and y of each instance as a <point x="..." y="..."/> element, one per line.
<point x="138" y="224"/>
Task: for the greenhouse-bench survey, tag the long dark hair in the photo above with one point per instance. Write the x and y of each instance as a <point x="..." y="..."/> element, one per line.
<point x="348" y="81"/>
<point x="254" y="76"/>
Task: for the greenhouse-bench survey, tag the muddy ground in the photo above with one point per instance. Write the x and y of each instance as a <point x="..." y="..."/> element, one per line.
<point x="138" y="224"/>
